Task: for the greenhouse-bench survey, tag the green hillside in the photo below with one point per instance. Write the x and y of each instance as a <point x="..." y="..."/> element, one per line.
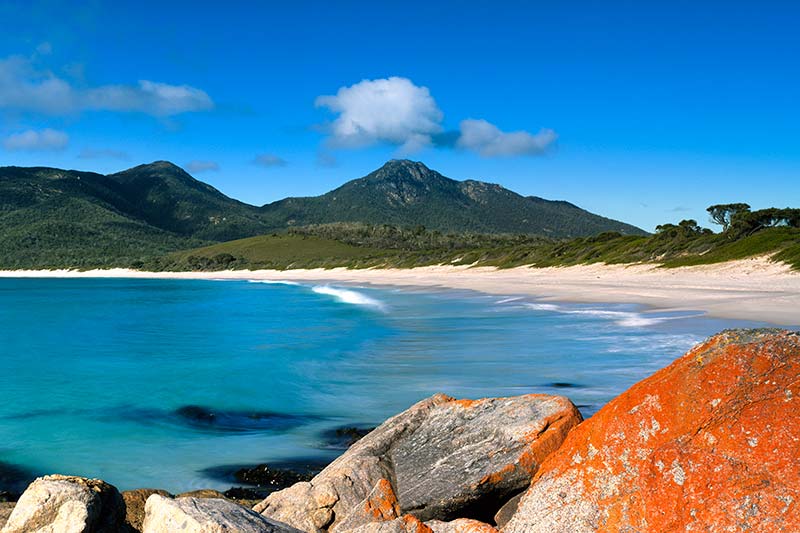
<point x="407" y="193"/>
<point x="270" y="251"/>
<point x="52" y="218"/>
<point x="167" y="197"/>
<point x="64" y="218"/>
<point x="363" y="246"/>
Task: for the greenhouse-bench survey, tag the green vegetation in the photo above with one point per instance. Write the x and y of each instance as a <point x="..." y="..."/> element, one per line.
<point x="268" y="251"/>
<point x="158" y="217"/>
<point x="52" y="218"/>
<point x="406" y="193"/>
<point x="362" y="246"/>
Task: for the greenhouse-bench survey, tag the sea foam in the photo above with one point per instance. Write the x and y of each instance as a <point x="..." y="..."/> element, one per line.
<point x="348" y="296"/>
<point x="273" y="281"/>
<point x="629" y="319"/>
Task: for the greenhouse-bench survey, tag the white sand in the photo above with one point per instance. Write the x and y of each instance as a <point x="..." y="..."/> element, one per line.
<point x="752" y="289"/>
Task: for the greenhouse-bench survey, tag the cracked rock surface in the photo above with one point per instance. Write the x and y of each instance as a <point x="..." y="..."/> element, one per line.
<point x="441" y="459"/>
<point x="205" y="515"/>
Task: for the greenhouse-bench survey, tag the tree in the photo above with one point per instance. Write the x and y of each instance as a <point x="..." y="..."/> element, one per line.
<point x="685" y="229"/>
<point x="722" y="214"/>
<point x="749" y="222"/>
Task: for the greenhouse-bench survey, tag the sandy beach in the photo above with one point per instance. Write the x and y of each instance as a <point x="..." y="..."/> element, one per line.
<point x="751" y="289"/>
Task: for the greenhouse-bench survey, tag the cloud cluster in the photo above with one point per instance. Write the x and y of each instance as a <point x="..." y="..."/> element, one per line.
<point x="489" y="141"/>
<point x="392" y="111"/>
<point x="201" y="166"/>
<point x="26" y="88"/>
<point x="46" y="139"/>
<point x="269" y="160"/>
<point x="103" y="153"/>
<point x="397" y="112"/>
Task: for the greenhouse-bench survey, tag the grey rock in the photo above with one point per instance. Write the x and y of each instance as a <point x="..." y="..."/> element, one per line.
<point x="68" y="504"/>
<point x="432" y="461"/>
<point x="503" y="516"/>
<point x="205" y="515"/>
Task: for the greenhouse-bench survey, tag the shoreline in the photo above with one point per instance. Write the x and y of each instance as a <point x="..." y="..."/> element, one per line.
<point x="751" y="289"/>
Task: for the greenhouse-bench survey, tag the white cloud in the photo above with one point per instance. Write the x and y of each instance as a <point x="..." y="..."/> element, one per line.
<point x="103" y="153"/>
<point x="269" y="160"/>
<point x="45" y="139"/>
<point x="391" y="110"/>
<point x="490" y="141"/>
<point x="201" y="166"/>
<point x="25" y="88"/>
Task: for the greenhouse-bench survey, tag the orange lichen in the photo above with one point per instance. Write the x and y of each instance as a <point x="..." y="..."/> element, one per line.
<point x="538" y="445"/>
<point x="382" y="504"/>
<point x="713" y="439"/>
<point x="466" y="404"/>
<point x="413" y="525"/>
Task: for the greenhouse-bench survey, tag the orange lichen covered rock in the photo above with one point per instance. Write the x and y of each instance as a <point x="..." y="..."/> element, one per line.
<point x="380" y="505"/>
<point x="711" y="443"/>
<point x="435" y="460"/>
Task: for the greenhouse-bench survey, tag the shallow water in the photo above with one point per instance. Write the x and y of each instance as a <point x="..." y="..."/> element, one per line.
<point x="158" y="383"/>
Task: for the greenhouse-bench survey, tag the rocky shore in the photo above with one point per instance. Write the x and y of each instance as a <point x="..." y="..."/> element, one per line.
<point x="710" y="443"/>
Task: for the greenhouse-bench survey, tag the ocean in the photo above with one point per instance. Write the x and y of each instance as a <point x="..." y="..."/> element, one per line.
<point x="176" y="383"/>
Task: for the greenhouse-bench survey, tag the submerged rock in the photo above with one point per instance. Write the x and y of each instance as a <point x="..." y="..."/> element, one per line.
<point x="205" y="515"/>
<point x="68" y="504"/>
<point x="231" y="421"/>
<point x="245" y="494"/>
<point x="710" y="443"/>
<point x="441" y="459"/>
<point x="13" y="480"/>
<point x="273" y="478"/>
<point x="343" y="437"/>
<point x="260" y="481"/>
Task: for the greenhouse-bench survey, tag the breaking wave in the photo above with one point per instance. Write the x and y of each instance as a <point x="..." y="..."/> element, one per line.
<point x="348" y="296"/>
<point x="273" y="281"/>
<point x="630" y="319"/>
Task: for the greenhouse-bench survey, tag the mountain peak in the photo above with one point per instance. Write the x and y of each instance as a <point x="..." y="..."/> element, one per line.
<point x="403" y="170"/>
<point x="161" y="166"/>
<point x="405" y="165"/>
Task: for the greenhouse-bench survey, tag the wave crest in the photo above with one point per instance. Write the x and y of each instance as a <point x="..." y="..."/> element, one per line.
<point x="348" y="296"/>
<point x="630" y="319"/>
<point x="273" y="281"/>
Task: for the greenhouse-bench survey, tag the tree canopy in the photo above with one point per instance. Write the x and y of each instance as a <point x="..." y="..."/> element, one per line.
<point x="723" y="213"/>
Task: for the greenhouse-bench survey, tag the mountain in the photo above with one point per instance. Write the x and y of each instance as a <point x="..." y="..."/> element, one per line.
<point x="51" y="217"/>
<point x="167" y="197"/>
<point x="407" y="193"/>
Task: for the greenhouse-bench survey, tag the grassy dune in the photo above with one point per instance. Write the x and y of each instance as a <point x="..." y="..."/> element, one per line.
<point x="358" y="246"/>
<point x="279" y="251"/>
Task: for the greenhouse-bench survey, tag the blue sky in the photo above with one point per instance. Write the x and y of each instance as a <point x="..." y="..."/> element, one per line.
<point x="641" y="111"/>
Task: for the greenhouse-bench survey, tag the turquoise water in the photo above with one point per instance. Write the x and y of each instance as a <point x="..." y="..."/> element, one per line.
<point x="157" y="382"/>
